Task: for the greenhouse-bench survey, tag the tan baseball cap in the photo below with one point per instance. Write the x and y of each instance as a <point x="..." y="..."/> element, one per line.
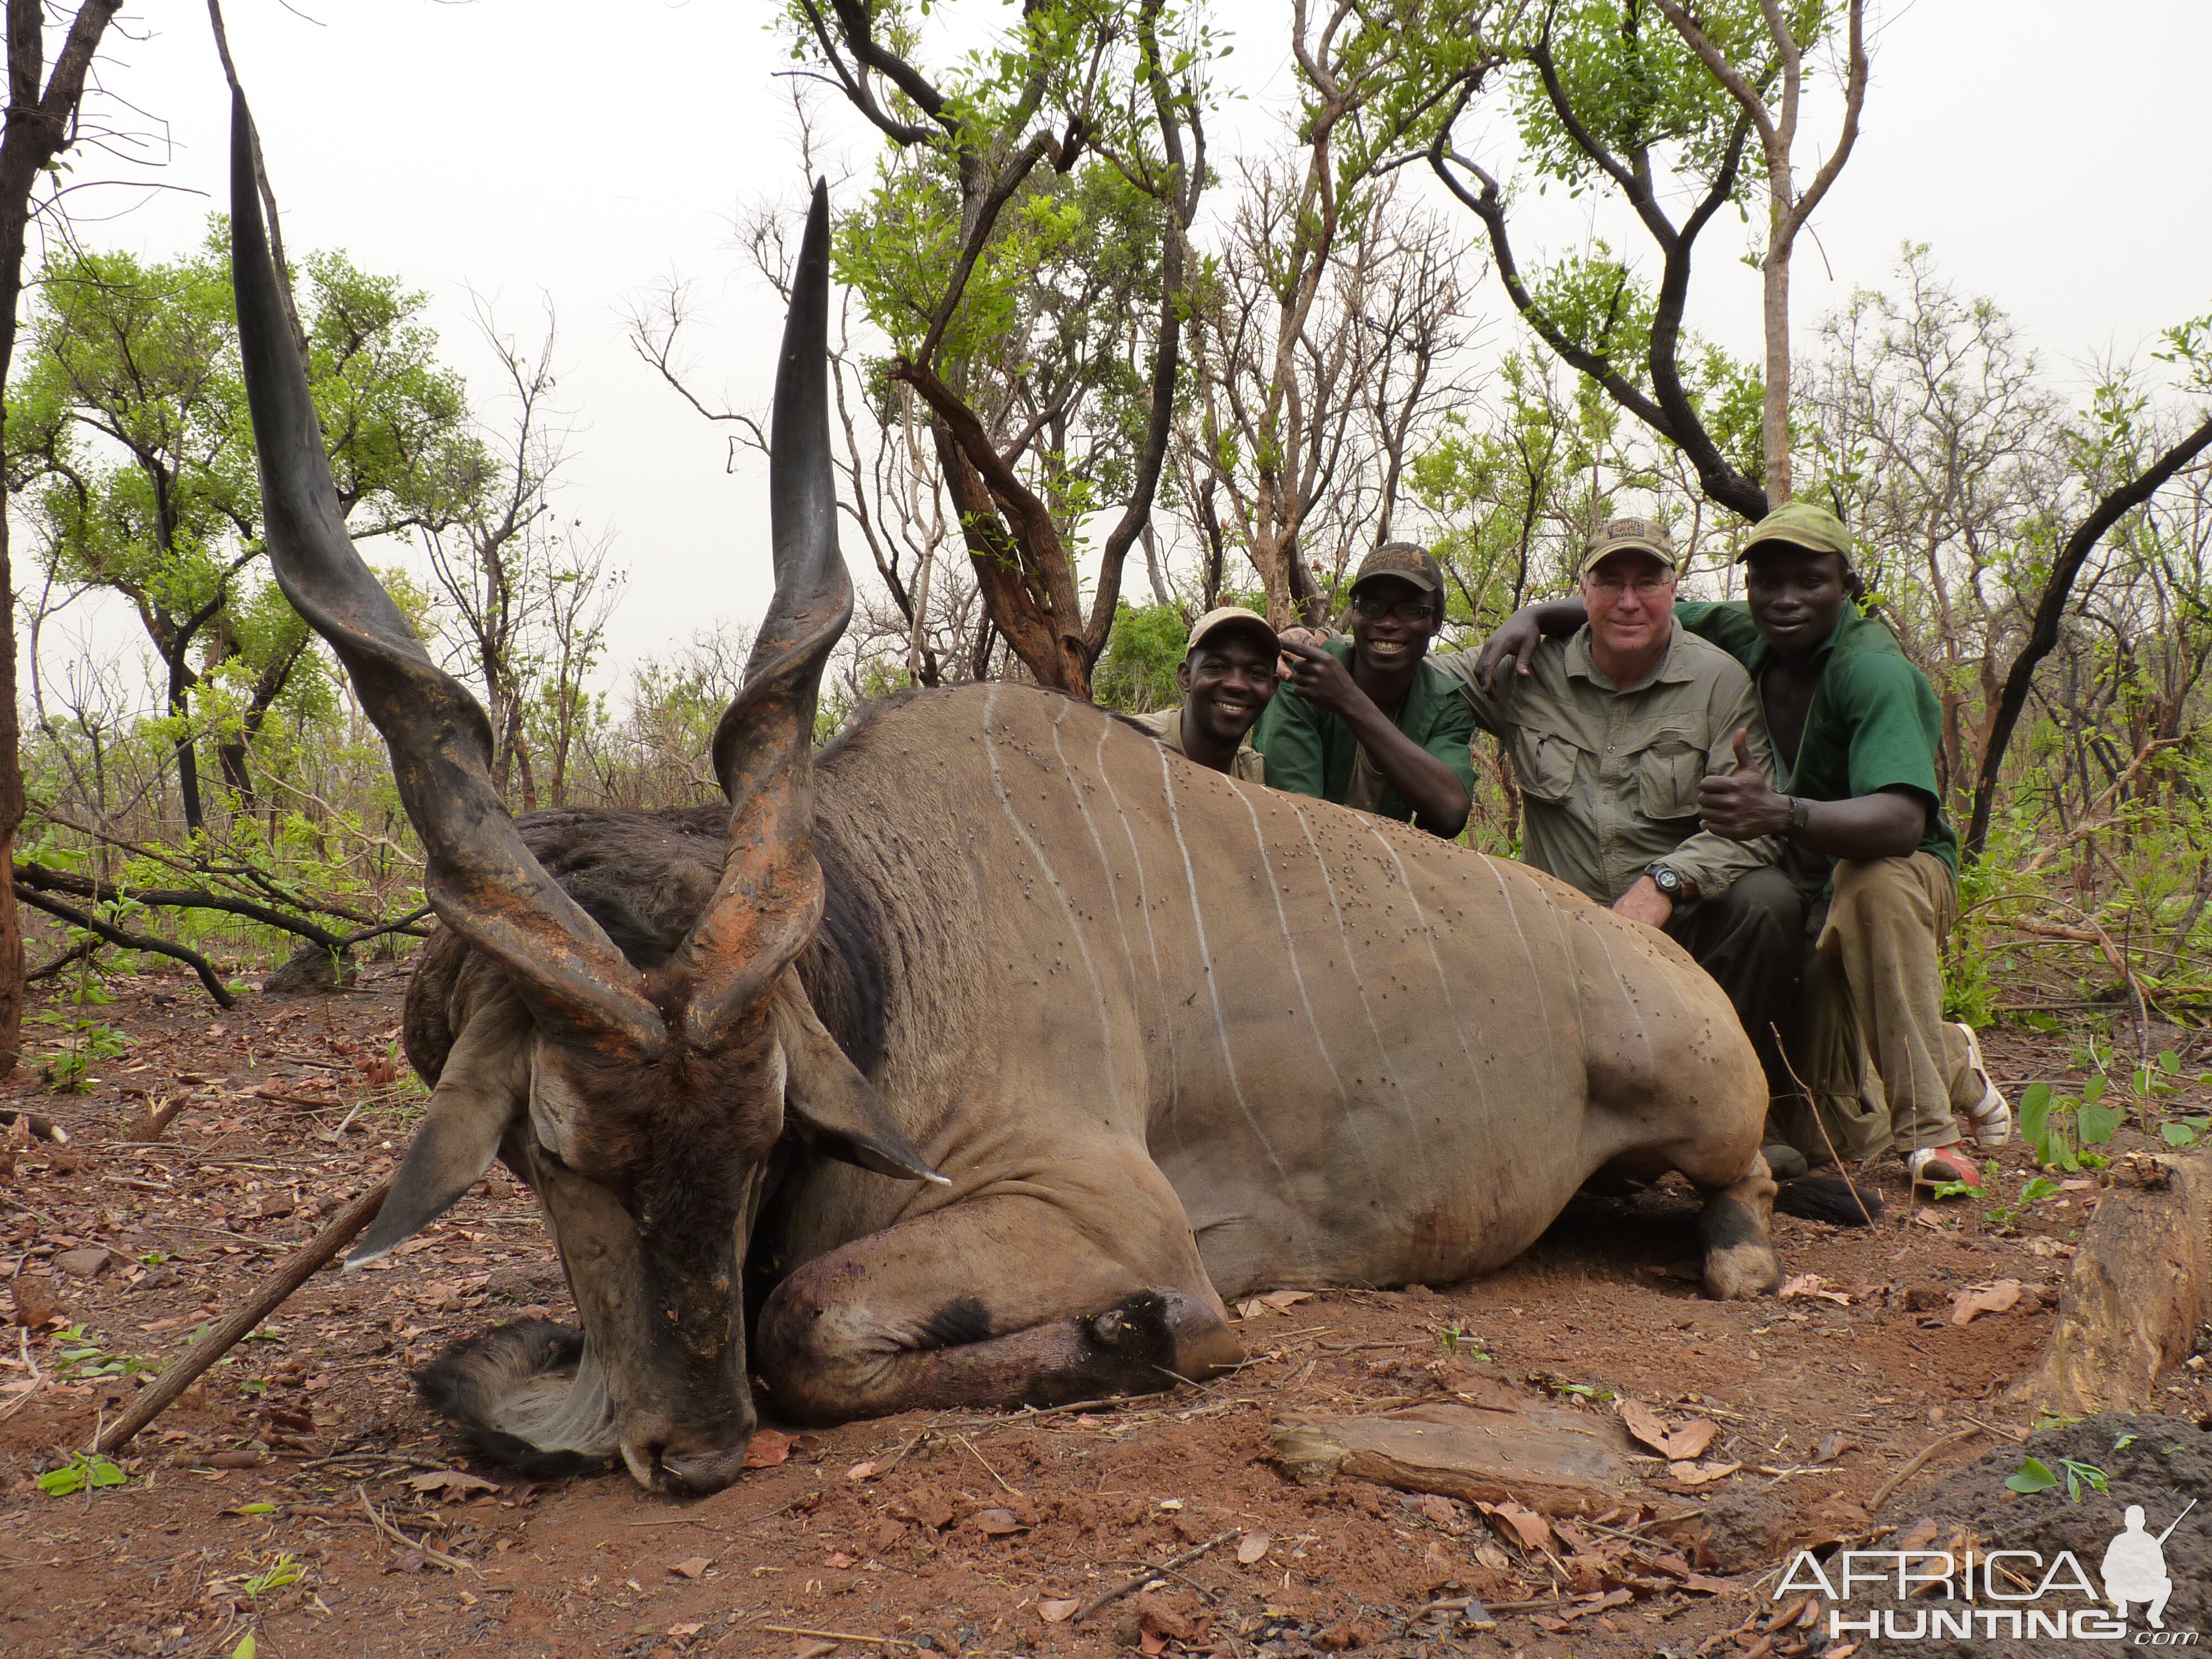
<point x="1405" y="561"/>
<point x="1227" y="616"/>
<point x="1638" y="535"/>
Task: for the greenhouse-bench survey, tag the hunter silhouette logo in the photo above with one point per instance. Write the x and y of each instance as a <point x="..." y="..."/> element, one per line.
<point x="2003" y="1593"/>
<point x="2134" y="1568"/>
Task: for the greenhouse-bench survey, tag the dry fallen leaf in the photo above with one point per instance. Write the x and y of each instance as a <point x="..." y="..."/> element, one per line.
<point x="838" y="1560"/>
<point x="691" y="1568"/>
<point x="996" y="1523"/>
<point x="1056" y="1610"/>
<point x="1833" y="1447"/>
<point x="1152" y="1641"/>
<point x="1689" y="1442"/>
<point x="813" y="1649"/>
<point x="450" y="1481"/>
<point x="1698" y="1581"/>
<point x="1252" y="1548"/>
<point x="683" y="1629"/>
<point x="1813" y="1284"/>
<point x="767" y="1448"/>
<point x="1520" y="1525"/>
<point x="1644" y="1424"/>
<point x="862" y="1471"/>
<point x="1999" y="1297"/>
<point x="1701" y="1474"/>
<point x="1284" y="1301"/>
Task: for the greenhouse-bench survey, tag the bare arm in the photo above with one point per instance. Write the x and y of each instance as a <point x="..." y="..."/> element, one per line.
<point x="1743" y="806"/>
<point x="1517" y="636"/>
<point x="1439" y="800"/>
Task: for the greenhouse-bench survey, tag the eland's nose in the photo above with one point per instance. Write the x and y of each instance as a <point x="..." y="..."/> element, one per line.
<point x="700" y="1473"/>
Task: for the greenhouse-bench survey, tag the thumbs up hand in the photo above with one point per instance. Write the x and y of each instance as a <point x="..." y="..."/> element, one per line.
<point x="1740" y="806"/>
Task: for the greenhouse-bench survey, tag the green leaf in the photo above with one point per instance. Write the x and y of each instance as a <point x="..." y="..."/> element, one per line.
<point x="245" y="1648"/>
<point x="61" y="1482"/>
<point x="257" y="1509"/>
<point x="2038" y="1189"/>
<point x="2034" y="1116"/>
<point x="2098" y="1124"/>
<point x="2179" y="1135"/>
<point x="2031" y="1476"/>
<point x="2092" y="1091"/>
<point x="2169" y="1062"/>
<point x="2125" y="1441"/>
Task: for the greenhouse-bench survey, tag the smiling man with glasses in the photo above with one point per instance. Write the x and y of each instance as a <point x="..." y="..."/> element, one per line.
<point x="1612" y="732"/>
<point x="1368" y="722"/>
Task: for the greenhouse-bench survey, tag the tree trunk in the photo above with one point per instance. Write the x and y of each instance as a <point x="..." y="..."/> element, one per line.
<point x="1774" y="418"/>
<point x="37" y="126"/>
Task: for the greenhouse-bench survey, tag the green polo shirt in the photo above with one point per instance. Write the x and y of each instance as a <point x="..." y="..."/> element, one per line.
<point x="1310" y="751"/>
<point x="1874" y="723"/>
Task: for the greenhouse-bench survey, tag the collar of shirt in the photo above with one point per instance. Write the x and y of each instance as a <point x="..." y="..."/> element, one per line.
<point x="1581" y="664"/>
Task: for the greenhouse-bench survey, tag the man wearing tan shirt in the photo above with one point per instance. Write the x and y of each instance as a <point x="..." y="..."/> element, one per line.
<point x="1227" y="678"/>
<point x="1612" y="732"/>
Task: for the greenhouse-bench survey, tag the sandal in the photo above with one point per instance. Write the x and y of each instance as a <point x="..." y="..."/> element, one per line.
<point x="1931" y="1167"/>
<point x="1988" y="1121"/>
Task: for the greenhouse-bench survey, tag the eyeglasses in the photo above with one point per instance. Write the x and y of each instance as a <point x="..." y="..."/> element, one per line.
<point x="1643" y="587"/>
<point x="1406" y="610"/>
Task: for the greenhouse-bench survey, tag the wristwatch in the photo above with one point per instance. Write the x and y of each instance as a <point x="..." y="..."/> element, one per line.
<point x="1668" y="880"/>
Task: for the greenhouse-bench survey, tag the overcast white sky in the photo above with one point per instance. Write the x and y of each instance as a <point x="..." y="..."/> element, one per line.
<point x="522" y="149"/>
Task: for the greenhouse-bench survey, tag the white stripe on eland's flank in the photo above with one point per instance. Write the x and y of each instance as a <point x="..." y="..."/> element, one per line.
<point x="1145" y="908"/>
<point x="1543" y="1003"/>
<point x="1352" y="965"/>
<point x="1443" y="980"/>
<point x="1290" y="947"/>
<point x="1626" y="996"/>
<point x="1067" y="910"/>
<point x="1105" y="865"/>
<point x="1221" y="1021"/>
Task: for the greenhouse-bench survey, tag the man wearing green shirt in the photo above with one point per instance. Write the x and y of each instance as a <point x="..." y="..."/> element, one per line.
<point x="1368" y="722"/>
<point x="1854" y="728"/>
<point x="1612" y="732"/>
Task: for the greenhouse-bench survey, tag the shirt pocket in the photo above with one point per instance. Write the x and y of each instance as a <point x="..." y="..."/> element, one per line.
<point x="1544" y="762"/>
<point x="1668" y="774"/>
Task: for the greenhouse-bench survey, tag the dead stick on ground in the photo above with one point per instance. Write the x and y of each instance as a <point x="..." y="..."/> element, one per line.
<point x="839" y="1636"/>
<point x="1820" y="1123"/>
<point x="1917" y="1464"/>
<point x="302" y="1266"/>
<point x="1141" y="1580"/>
<point x="421" y="1546"/>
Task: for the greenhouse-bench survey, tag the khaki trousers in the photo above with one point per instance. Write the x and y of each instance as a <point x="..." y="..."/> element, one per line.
<point x="1869" y="1041"/>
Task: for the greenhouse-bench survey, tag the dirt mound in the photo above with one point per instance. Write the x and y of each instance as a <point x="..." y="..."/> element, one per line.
<point x="2159" y="1462"/>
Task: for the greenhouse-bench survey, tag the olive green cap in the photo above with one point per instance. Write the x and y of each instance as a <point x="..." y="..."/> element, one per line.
<point x="1630" y="535"/>
<point x="1801" y="524"/>
<point x="1405" y="561"/>
<point x="1230" y="616"/>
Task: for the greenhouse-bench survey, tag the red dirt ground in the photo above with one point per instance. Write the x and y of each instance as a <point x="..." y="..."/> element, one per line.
<point x="947" y="1533"/>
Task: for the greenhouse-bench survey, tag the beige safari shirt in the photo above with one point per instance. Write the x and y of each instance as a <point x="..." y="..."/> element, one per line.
<point x="1609" y="775"/>
<point x="1166" y="724"/>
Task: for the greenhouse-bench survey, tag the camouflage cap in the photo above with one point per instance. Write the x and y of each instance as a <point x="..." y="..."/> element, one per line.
<point x="1405" y="561"/>
<point x="1630" y="535"/>
<point x="1801" y="524"/>
<point x="1230" y="616"/>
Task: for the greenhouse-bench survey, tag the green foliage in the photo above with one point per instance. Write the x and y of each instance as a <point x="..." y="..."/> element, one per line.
<point x="84" y="1471"/>
<point x="280" y="1574"/>
<point x="80" y="1358"/>
<point x="2033" y="1191"/>
<point x="2033" y="1475"/>
<point x="1137" y="674"/>
<point x="85" y="1039"/>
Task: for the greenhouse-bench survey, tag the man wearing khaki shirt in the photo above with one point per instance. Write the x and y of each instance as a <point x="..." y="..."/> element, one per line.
<point x="1610" y="732"/>
<point x="1227" y="677"/>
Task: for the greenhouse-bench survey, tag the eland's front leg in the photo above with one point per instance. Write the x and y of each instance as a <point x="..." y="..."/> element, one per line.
<point x="1009" y="1298"/>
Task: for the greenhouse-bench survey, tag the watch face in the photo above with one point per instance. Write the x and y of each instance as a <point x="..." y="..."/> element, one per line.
<point x="1666" y="881"/>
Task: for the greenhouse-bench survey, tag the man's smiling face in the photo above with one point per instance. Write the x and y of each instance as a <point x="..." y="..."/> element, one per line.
<point x="1385" y="635"/>
<point x="1227" y="681"/>
<point x="1795" y="594"/>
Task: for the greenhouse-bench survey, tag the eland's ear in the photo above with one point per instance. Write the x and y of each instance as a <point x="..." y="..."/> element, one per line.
<point x="828" y="1104"/>
<point x="484" y="1083"/>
